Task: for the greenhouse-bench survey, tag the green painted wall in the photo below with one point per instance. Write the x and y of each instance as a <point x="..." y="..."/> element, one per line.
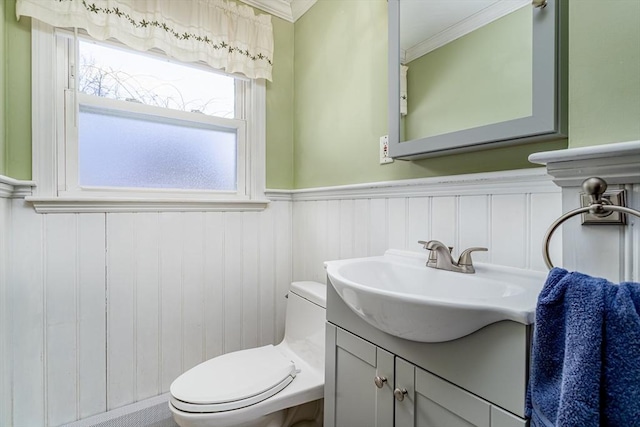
<point x="279" y="167"/>
<point x="3" y="98"/>
<point x="448" y="88"/>
<point x="604" y="70"/>
<point x="17" y="105"/>
<point x="341" y="103"/>
<point x="323" y="126"/>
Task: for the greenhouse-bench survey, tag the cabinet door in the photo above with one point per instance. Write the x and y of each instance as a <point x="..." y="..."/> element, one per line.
<point x="432" y="402"/>
<point x="502" y="418"/>
<point x="357" y="401"/>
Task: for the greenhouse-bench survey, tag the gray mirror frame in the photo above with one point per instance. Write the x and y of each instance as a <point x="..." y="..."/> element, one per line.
<point x="549" y="103"/>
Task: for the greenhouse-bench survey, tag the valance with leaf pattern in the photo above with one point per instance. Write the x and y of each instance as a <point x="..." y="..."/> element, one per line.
<point x="226" y="35"/>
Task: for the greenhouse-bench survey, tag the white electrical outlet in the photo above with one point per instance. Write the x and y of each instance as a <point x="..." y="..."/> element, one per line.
<point x="384" y="150"/>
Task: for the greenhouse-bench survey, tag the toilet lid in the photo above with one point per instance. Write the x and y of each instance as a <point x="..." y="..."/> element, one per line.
<point x="233" y="380"/>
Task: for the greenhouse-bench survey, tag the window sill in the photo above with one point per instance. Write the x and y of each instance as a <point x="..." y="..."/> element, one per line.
<point x="110" y="205"/>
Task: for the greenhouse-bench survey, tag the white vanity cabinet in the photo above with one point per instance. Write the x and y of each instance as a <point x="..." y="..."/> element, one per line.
<point x="478" y="380"/>
<point x="358" y="400"/>
<point x="431" y="401"/>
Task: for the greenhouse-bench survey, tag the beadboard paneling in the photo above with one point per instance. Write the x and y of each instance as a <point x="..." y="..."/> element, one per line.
<point x="73" y="270"/>
<point x="106" y="309"/>
<point x="539" y="223"/>
<point x="61" y="299"/>
<point x="233" y="306"/>
<point x="193" y="289"/>
<point x="378" y="227"/>
<point x="474" y="225"/>
<point x="147" y="303"/>
<point x="265" y="271"/>
<point x="91" y="315"/>
<point x="632" y="245"/>
<point x="113" y="307"/>
<point x="27" y="295"/>
<point x="283" y="218"/>
<point x="509" y="230"/>
<point x="121" y="291"/>
<point x="214" y="232"/>
<point x="396" y="223"/>
<point x="510" y="223"/>
<point x="418" y="213"/>
<point x="249" y="263"/>
<point x="5" y="327"/>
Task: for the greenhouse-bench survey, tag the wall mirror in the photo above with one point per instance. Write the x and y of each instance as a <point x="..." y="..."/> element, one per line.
<point x="473" y="74"/>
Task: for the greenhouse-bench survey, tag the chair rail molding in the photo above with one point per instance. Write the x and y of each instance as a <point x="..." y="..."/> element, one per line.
<point x="502" y="182"/>
<point x="12" y="188"/>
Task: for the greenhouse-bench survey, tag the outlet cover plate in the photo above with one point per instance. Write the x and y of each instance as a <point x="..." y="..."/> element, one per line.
<point x="384" y="150"/>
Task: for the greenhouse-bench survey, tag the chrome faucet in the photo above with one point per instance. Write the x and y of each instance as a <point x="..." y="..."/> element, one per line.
<point x="440" y="257"/>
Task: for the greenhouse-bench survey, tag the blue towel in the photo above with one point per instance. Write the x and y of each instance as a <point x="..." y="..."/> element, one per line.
<point x="621" y="364"/>
<point x="585" y="360"/>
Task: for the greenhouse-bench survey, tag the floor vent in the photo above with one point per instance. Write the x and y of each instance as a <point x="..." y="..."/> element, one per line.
<point x="152" y="412"/>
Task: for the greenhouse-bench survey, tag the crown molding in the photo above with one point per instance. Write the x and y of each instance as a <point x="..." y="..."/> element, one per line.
<point x="616" y="163"/>
<point x="289" y="10"/>
<point x="464" y="27"/>
<point x="300" y="7"/>
<point x="12" y="188"/>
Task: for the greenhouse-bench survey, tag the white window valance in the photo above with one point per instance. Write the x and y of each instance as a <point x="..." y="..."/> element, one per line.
<point x="225" y="35"/>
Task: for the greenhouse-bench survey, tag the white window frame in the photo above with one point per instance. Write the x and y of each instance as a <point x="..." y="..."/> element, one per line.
<point x="56" y="190"/>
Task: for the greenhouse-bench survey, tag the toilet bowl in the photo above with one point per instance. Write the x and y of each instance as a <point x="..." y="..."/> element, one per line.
<point x="257" y="387"/>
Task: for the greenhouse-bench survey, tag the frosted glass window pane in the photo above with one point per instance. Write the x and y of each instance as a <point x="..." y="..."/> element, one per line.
<point x="114" y="73"/>
<point x="117" y="151"/>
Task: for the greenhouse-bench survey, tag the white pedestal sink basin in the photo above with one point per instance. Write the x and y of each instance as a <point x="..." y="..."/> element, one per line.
<point x="399" y="295"/>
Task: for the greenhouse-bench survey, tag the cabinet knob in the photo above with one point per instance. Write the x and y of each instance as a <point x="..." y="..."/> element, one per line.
<point x="399" y="393"/>
<point x="379" y="381"/>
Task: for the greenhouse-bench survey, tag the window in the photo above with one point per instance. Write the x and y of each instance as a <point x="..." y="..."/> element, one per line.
<point x="132" y="125"/>
<point x="127" y="132"/>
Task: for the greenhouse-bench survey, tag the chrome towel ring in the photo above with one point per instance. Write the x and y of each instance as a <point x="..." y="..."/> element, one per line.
<point x="594" y="187"/>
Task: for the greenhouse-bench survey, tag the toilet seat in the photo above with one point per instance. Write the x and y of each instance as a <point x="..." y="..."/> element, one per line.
<point x="233" y="381"/>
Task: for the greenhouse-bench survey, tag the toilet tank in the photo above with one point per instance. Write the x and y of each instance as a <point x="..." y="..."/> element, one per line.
<point x="305" y="321"/>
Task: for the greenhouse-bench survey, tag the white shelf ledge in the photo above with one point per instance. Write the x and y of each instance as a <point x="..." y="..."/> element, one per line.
<point x="617" y="163"/>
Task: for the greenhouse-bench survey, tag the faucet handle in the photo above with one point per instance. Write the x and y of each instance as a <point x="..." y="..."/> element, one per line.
<point x="465" y="256"/>
<point x="430" y="245"/>
<point x="433" y="257"/>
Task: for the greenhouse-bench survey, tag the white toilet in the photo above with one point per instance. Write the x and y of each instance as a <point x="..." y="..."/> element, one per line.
<point x="261" y="387"/>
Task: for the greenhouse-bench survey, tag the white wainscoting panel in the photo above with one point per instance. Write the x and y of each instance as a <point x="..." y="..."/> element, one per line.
<point x="91" y="315"/>
<point x="5" y="327"/>
<point x="108" y="309"/>
<point x="28" y="312"/>
<point x="632" y="242"/>
<point x="510" y="218"/>
<point x="102" y="310"/>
